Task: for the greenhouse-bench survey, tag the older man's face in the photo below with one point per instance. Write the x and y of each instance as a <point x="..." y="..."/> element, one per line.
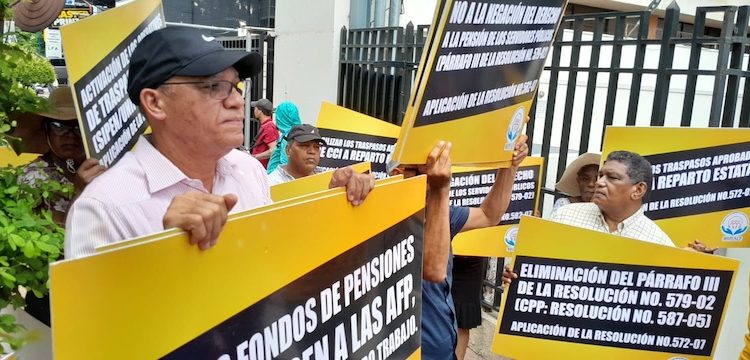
<point x="613" y="188"/>
<point x="198" y="118"/>
<point x="304" y="156"/>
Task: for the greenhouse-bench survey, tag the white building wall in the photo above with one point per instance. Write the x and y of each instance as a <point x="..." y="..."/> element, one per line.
<point x="306" y="59"/>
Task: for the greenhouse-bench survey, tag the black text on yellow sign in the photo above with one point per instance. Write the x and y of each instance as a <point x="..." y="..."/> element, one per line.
<point x="469" y="187"/>
<point x="586" y="294"/>
<point x="343" y="280"/>
<point x="700" y="184"/>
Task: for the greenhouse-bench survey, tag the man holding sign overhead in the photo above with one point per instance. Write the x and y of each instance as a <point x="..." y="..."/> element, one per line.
<point x="442" y="223"/>
<point x="187" y="174"/>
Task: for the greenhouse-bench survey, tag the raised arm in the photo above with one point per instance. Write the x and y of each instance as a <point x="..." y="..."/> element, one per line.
<point x="496" y="203"/>
<point x="437" y="240"/>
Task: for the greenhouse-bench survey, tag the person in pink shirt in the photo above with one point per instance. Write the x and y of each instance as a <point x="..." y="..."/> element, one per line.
<point x="187" y="173"/>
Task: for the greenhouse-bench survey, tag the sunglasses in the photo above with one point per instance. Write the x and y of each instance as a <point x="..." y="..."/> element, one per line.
<point x="61" y="129"/>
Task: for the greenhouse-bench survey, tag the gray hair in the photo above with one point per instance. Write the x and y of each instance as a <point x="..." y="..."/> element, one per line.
<point x="639" y="169"/>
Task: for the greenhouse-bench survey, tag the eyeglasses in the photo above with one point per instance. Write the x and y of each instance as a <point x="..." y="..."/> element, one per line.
<point x="60" y="129"/>
<point x="217" y="89"/>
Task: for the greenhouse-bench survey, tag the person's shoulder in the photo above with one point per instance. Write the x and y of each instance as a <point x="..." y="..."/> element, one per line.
<point x="123" y="182"/>
<point x="581" y="207"/>
<point x="244" y="161"/>
<point x="276" y="177"/>
<point x="657" y="234"/>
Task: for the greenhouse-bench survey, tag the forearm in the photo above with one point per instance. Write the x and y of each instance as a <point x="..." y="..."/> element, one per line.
<point x="496" y="203"/>
<point x="264" y="155"/>
<point x="436" y="235"/>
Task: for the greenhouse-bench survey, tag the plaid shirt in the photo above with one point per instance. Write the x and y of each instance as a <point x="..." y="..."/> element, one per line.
<point x="588" y="216"/>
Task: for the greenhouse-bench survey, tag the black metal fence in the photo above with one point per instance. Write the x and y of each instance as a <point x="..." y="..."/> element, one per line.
<point x="261" y="85"/>
<point x="378" y="68"/>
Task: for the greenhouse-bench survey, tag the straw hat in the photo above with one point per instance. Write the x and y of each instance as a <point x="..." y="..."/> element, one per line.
<point x="30" y="125"/>
<point x="568" y="183"/>
<point x="35" y="15"/>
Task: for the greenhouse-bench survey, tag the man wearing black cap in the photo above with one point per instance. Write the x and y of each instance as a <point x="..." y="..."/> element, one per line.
<point x="187" y="174"/>
<point x="303" y="151"/>
<point x="268" y="134"/>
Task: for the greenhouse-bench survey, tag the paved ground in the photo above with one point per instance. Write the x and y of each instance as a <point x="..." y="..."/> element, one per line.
<point x="480" y="342"/>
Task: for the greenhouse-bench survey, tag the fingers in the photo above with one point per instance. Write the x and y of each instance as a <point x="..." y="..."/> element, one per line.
<point x="508" y="275"/>
<point x="359" y="187"/>
<point x="230" y="200"/>
<point x="341" y="177"/>
<point x="202" y="215"/>
<point x="520" y="151"/>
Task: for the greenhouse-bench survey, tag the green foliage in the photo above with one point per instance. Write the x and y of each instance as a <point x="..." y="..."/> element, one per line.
<point x="29" y="241"/>
<point x="29" y="238"/>
<point x="36" y="71"/>
<point x="16" y="94"/>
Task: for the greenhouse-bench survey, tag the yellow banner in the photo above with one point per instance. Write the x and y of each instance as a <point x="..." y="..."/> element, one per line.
<point x="582" y="294"/>
<point x="700" y="184"/>
<point x="8" y="157"/>
<point x="352" y="137"/>
<point x="98" y="72"/>
<point x="309" y="184"/>
<point x="288" y="279"/>
<point x="469" y="188"/>
<point x="477" y="79"/>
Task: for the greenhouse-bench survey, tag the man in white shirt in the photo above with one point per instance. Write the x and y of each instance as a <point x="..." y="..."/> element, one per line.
<point x="187" y="174"/>
<point x="617" y="205"/>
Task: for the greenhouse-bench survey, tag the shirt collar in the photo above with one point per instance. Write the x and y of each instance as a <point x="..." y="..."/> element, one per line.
<point x="160" y="172"/>
<point x="630" y="221"/>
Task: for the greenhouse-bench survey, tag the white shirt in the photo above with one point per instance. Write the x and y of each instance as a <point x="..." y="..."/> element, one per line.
<point x="588" y="216"/>
<point x="280" y="176"/>
<point x="131" y="198"/>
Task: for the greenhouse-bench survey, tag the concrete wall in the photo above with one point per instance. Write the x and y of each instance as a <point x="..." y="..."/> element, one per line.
<point x="307" y="53"/>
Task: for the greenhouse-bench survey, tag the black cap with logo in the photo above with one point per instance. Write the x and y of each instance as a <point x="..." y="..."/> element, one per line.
<point x="183" y="51"/>
<point x="304" y="133"/>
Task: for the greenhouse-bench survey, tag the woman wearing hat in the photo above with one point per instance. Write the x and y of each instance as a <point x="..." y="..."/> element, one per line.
<point x="55" y="134"/>
<point x="579" y="180"/>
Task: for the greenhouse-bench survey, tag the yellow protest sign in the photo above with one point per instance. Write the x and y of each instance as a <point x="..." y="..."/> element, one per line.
<point x="477" y="79"/>
<point x="352" y="137"/>
<point x="469" y="188"/>
<point x="339" y="280"/>
<point x="8" y="157"/>
<point x="700" y="184"/>
<point x="309" y="184"/>
<point x="582" y="294"/>
<point x="98" y="74"/>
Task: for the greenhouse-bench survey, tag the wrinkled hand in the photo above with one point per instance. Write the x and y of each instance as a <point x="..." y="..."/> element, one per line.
<point x="698" y="246"/>
<point x="520" y="151"/>
<point x="357" y="185"/>
<point x="438" y="166"/>
<point x="88" y="170"/>
<point x="202" y="215"/>
<point x="508" y="275"/>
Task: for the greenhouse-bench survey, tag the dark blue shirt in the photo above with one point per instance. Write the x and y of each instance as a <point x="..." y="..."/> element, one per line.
<point x="438" y="312"/>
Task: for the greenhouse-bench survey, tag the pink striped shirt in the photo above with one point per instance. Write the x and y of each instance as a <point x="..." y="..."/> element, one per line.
<point x="131" y="198"/>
